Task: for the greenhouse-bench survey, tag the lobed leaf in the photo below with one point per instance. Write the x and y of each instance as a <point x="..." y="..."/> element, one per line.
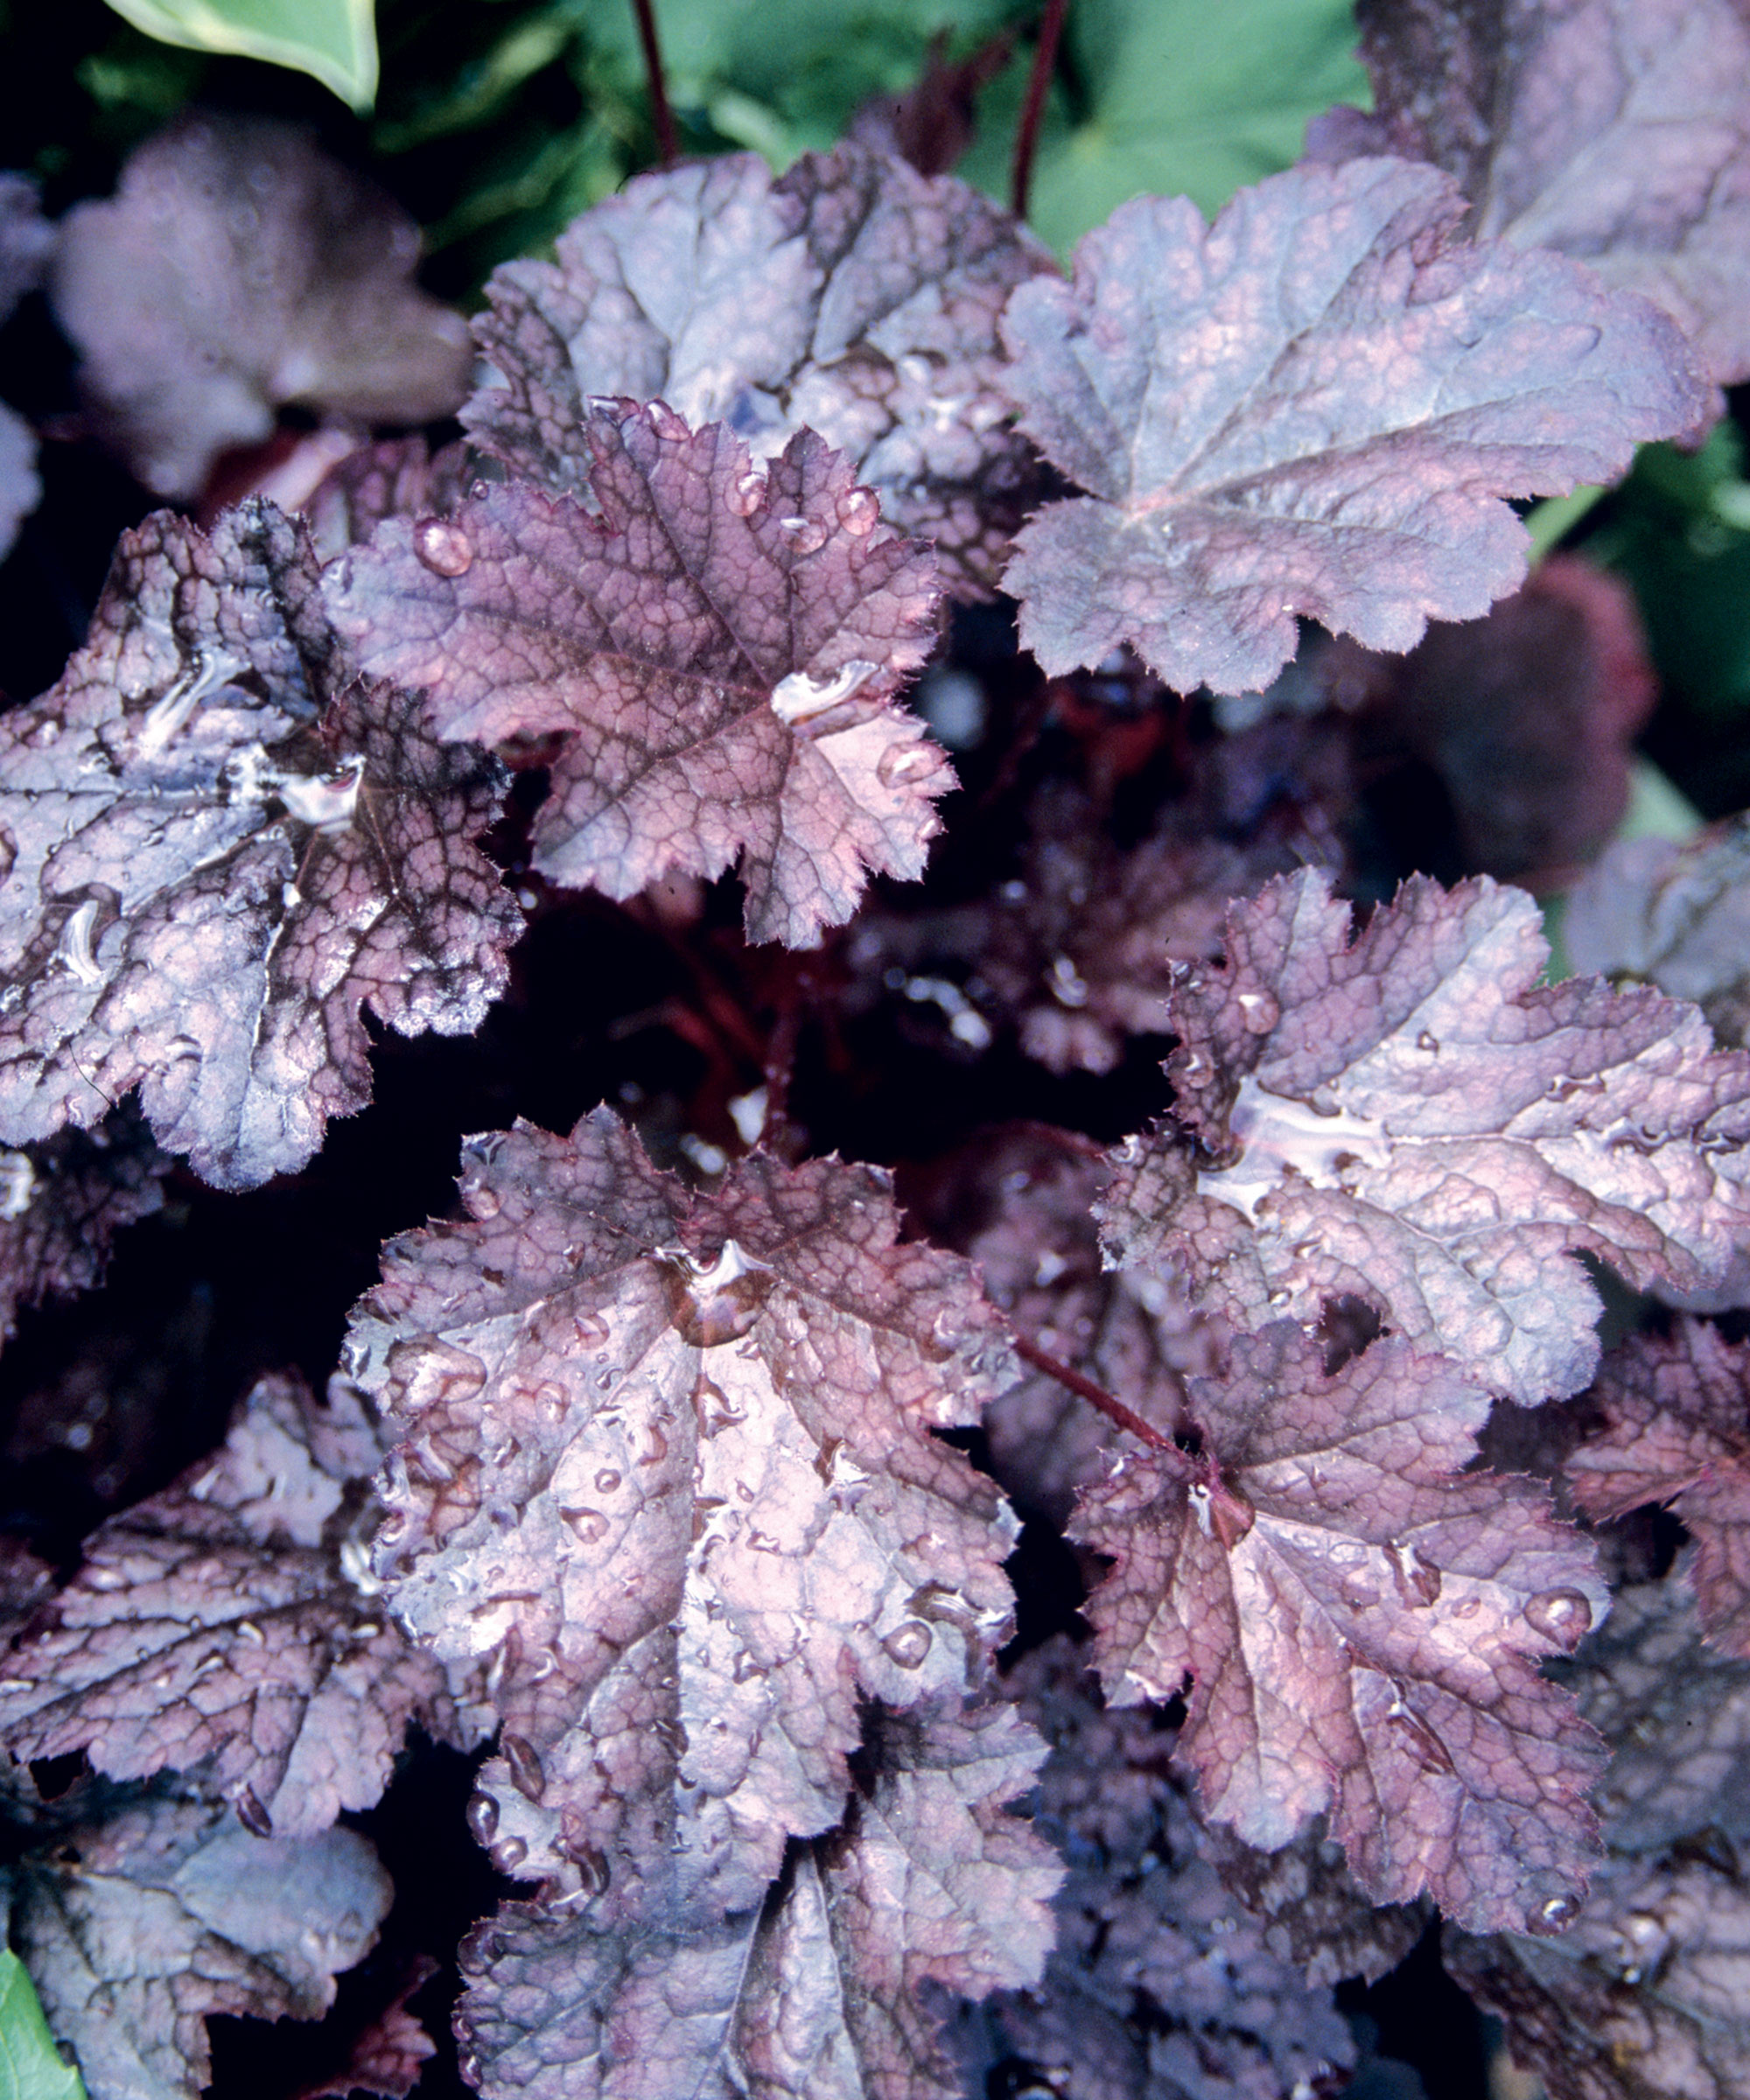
<point x="145" y="1913"/>
<point x="1404" y="1114"/>
<point x="824" y="1995"/>
<point x="1617" y="131"/>
<point x="239" y="268"/>
<point x="718" y="649"/>
<point x="217" y="852"/>
<point x="1675" y="1430"/>
<point x="1674" y="915"/>
<point x="851" y="296"/>
<point x="226" y="1628"/>
<point x="1361" y="1629"/>
<point x="1311" y="410"/>
<point x="666" y="1478"/>
<point x="61" y="1203"/>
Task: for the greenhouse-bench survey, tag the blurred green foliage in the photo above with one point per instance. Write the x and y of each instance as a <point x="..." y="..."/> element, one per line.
<point x="334" y="41"/>
<point x="30" y="2067"/>
<point x="497" y="120"/>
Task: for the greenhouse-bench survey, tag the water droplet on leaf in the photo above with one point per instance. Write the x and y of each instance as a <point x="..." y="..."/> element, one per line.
<point x="909" y="1643"/>
<point x="444" y="546"/>
<point x="1563" y="1616"/>
<point x="526" y="1773"/>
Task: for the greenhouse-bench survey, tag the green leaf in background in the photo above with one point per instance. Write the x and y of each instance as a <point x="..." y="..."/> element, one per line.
<point x="335" y="40"/>
<point x="1175" y="97"/>
<point x="31" y="2068"/>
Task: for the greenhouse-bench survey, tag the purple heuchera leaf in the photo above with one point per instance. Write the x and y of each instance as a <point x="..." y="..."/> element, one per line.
<point x="1614" y="131"/>
<point x="1676" y="1430"/>
<point x="62" y="1202"/>
<point x="1311" y="410"/>
<point x="145" y="1913"/>
<point x="826" y="1996"/>
<point x="220" y="1629"/>
<point x="850" y="295"/>
<point x="1675" y="1714"/>
<point x="1160" y="1965"/>
<point x="237" y="269"/>
<point x="1677" y="916"/>
<point x="396" y="478"/>
<point x="210" y="871"/>
<point x="668" y="1480"/>
<point x="1363" y="1631"/>
<point x="21" y="487"/>
<point x="718" y="648"/>
<point x="1403" y="1113"/>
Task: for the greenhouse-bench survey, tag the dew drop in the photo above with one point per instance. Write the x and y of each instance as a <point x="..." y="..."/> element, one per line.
<point x="591" y="1329"/>
<point x="672" y="1736"/>
<point x="747" y="493"/>
<point x="509" y="1854"/>
<point x="526" y="1773"/>
<point x="909" y="1644"/>
<point x="483" y="1818"/>
<point x="1556" y="1915"/>
<point x="445" y="548"/>
<point x="1563" y="1616"/>
<point x="590" y="1526"/>
<point x="859" y="511"/>
<point x="715" y="1302"/>
<point x="592" y="1866"/>
<point x="603" y="1381"/>
<point x="666" y="424"/>
<point x="607" y="1480"/>
<point x="806" y="536"/>
<point x="901" y="764"/>
<point x="481" y="1947"/>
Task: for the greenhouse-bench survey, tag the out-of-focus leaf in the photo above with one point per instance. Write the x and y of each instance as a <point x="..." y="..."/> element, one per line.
<point x="61" y="1203"/>
<point x="1311" y="410"/>
<point x="1162" y="107"/>
<point x="1616" y="130"/>
<point x="1406" y="1115"/>
<point x="1675" y="1430"/>
<point x="1674" y="915"/>
<point x="218" y="851"/>
<point x="30" y="2067"/>
<point x="239" y="268"/>
<point x="220" y="1629"/>
<point x="335" y="40"/>
<point x="144" y="1912"/>
<point x="1362" y="1629"/>
<point x="719" y="647"/>
<point x="1528" y="715"/>
<point x="667" y="1481"/>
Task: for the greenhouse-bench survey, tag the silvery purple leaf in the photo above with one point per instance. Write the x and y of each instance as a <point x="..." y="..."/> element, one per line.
<point x="1313" y="409"/>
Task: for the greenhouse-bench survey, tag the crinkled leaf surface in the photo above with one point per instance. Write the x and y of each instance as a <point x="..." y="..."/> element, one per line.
<point x="219" y="1628"/>
<point x="394" y="478"/>
<point x="138" y="1922"/>
<point x="1311" y="410"/>
<point x="1162" y="1983"/>
<point x="208" y="871"/>
<point x="1404" y="1114"/>
<point x="1674" y="915"/>
<point x="666" y="1474"/>
<point x="718" y="648"/>
<point x="826" y="1996"/>
<point x="1529" y="717"/>
<point x="61" y="1203"/>
<point x="851" y="295"/>
<point x="1677" y="1430"/>
<point x="237" y="269"/>
<point x="1675" y="1714"/>
<point x="1616" y="130"/>
<point x="1644" y="1997"/>
<point x="1363" y="1631"/>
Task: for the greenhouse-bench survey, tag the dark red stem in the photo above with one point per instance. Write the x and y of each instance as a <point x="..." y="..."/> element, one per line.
<point x="1033" y="111"/>
<point x="661" y="115"/>
<point x="1096" y="1395"/>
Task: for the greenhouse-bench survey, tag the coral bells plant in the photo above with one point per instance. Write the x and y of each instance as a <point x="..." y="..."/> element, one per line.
<point x="674" y="1474"/>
